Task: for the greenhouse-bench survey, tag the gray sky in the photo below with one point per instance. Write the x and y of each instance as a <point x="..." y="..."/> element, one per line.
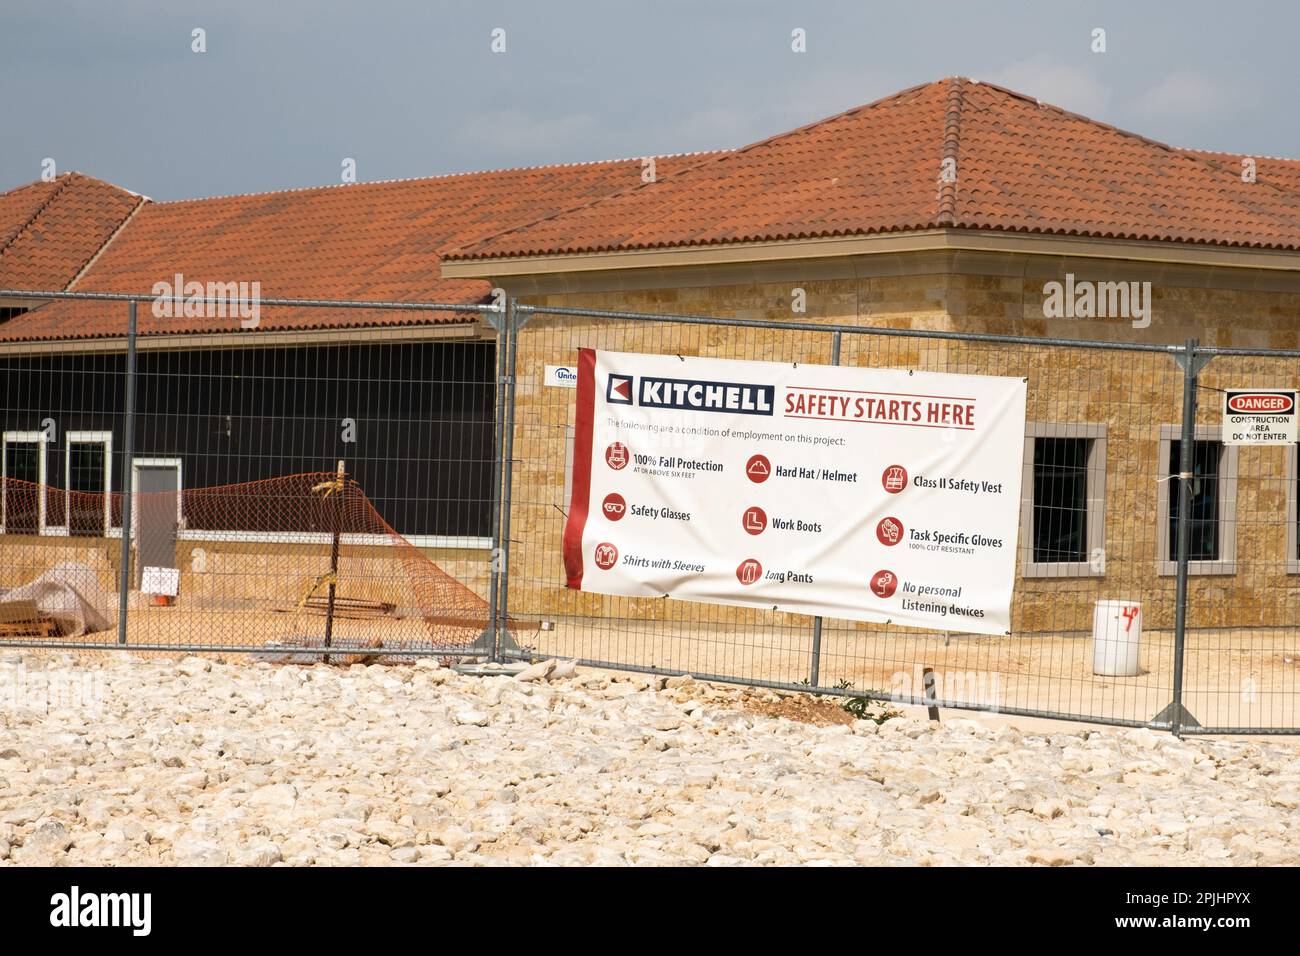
<point x="288" y="88"/>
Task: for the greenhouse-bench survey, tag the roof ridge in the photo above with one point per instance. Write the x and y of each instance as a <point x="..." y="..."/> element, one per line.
<point x="720" y="157"/>
<point x="722" y="154"/>
<point x="421" y="179"/>
<point x="1239" y="155"/>
<point x="36" y="213"/>
<point x="141" y="202"/>
<point x="947" y="212"/>
<point x="1177" y="151"/>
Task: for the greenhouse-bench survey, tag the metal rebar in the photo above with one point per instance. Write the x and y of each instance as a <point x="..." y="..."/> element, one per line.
<point x="334" y="553"/>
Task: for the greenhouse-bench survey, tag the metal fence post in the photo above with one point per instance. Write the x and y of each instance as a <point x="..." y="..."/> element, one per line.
<point x="491" y="635"/>
<point x="815" y="668"/>
<point x="128" y="454"/>
<point x="501" y="636"/>
<point x="1178" y="714"/>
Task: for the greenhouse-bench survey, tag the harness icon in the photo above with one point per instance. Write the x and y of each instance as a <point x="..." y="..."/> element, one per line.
<point x="616" y="455"/>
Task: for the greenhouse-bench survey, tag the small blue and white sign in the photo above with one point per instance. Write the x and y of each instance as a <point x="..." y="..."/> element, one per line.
<point x="562" y="376"/>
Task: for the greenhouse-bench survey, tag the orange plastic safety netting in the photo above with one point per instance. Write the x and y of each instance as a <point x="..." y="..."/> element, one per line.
<point x="280" y="563"/>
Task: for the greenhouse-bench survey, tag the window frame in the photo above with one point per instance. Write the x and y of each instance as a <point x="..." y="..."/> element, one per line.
<point x="104" y="438"/>
<point x="1094" y="496"/>
<point x="136" y="465"/>
<point x="42" y="442"/>
<point x="1167" y="565"/>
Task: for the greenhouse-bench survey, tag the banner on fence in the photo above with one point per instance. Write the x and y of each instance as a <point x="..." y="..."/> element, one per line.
<point x="868" y="494"/>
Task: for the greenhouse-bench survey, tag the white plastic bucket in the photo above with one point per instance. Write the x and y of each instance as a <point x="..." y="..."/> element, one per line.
<point x="1116" y="638"/>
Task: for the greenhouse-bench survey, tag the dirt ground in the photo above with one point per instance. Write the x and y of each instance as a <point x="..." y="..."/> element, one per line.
<point x="1246" y="679"/>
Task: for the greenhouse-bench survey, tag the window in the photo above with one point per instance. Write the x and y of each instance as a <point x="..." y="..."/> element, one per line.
<point x="89" y="480"/>
<point x="1063" y="508"/>
<point x="22" y="466"/>
<point x="1212" y="541"/>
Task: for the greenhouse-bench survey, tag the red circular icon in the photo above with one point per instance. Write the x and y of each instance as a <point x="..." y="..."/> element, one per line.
<point x="606" y="556"/>
<point x="614" y="506"/>
<point x="749" y="571"/>
<point x="884" y="584"/>
<point x="754" y="520"/>
<point x="889" y="531"/>
<point x="758" y="468"/>
<point x="894" y="479"/>
<point x="617" y="455"/>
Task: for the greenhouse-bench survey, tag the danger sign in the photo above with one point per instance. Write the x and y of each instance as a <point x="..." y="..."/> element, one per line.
<point x="861" y="493"/>
<point x="1259" y="417"/>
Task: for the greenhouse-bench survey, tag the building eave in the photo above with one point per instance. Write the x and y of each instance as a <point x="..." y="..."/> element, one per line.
<point x="929" y="240"/>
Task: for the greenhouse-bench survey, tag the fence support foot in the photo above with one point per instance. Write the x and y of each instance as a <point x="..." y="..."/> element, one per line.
<point x="1176" y="716"/>
<point x="487" y="646"/>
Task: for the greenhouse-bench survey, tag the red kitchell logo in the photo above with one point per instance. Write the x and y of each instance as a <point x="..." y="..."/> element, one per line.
<point x="606" y="556"/>
<point x="889" y="531"/>
<point x="619" y="391"/>
<point x="749" y="571"/>
<point x="754" y="520"/>
<point x="617" y="455"/>
<point x="894" y="479"/>
<point x="884" y="584"/>
<point x="614" y="506"/>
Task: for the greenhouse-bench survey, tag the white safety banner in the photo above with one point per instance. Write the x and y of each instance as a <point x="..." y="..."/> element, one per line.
<point x="861" y="493"/>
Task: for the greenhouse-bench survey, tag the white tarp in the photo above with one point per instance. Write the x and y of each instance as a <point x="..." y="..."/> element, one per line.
<point x="869" y="494"/>
<point x="69" y="593"/>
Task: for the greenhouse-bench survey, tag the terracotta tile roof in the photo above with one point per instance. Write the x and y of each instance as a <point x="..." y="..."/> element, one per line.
<point x="50" y="230"/>
<point x="376" y="241"/>
<point x="1021" y="166"/>
<point x="1283" y="173"/>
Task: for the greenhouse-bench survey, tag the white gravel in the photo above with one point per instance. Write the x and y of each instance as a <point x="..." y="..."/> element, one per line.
<point x="202" y="762"/>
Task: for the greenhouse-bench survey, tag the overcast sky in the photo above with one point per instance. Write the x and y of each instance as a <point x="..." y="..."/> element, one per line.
<point x="289" y="88"/>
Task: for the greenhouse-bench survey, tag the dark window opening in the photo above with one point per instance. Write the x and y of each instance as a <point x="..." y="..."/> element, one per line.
<point x="86" y="488"/>
<point x="1203" y="513"/>
<point x="22" y="511"/>
<point x="1061" y="499"/>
